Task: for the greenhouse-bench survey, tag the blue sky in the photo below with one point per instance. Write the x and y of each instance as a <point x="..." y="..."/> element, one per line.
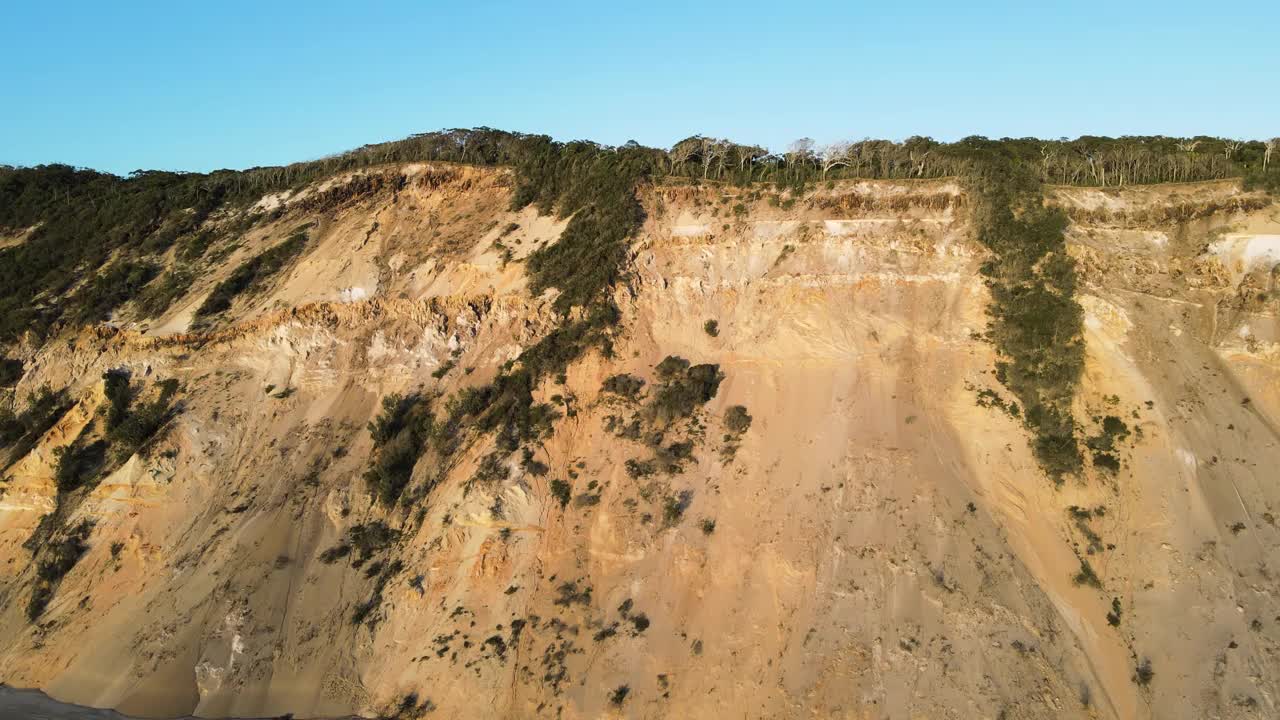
<point x="198" y="86"/>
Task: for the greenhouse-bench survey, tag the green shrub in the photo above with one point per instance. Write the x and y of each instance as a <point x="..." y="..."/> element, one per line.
<point x="561" y="491"/>
<point x="492" y="470"/>
<point x="1143" y="673"/>
<point x="1113" y="617"/>
<point x="335" y="553"/>
<point x="1268" y="182"/>
<point x="736" y="419"/>
<point x="674" y="506"/>
<point x="157" y="297"/>
<point x="10" y="371"/>
<point x="531" y="466"/>
<point x="1104" y="444"/>
<point x="363" y="612"/>
<point x="623" y="385"/>
<point x="637" y="469"/>
<point x="368" y="540"/>
<point x="56" y="560"/>
<point x="115" y="385"/>
<point x="252" y="275"/>
<point x="110" y="289"/>
<point x="712" y="328"/>
<point x="144" y="421"/>
<point x="680" y="395"/>
<point x="1086" y="576"/>
<point x="193" y="246"/>
<point x="671" y="367"/>
<point x="21" y="432"/>
<point x="77" y="466"/>
<point x="619" y="695"/>
<point x="400" y="435"/>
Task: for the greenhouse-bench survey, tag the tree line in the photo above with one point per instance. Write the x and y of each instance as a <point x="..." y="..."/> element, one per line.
<point x="1088" y="160"/>
<point x="84" y="220"/>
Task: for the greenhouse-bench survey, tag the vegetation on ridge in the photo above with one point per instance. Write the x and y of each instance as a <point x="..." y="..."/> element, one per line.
<point x="252" y="274"/>
<point x="80" y="221"/>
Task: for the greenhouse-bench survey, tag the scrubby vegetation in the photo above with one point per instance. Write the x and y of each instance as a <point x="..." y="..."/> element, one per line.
<point x="82" y="220"/>
<point x="685" y="388"/>
<point x="365" y="612"/>
<point x="623" y="385"/>
<point x="367" y="540"/>
<point x="1086" y="575"/>
<point x="400" y="435"/>
<point x="55" y="561"/>
<point x="252" y="274"/>
<point x="561" y="491"/>
<point x="1143" y="673"/>
<point x="137" y="425"/>
<point x="116" y="390"/>
<point x="10" y="371"/>
<point x="110" y="289"/>
<point x="1105" y="443"/>
<point x="78" y="464"/>
<point x="20" y="431"/>
<point x="736" y="419"/>
<point x="157" y="297"/>
<point x="1035" y="319"/>
<point x="596" y="187"/>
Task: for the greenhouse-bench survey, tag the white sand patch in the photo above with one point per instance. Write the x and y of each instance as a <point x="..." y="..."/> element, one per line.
<point x="1187" y="457"/>
<point x="841" y="228"/>
<point x="765" y="229"/>
<point x="352" y="294"/>
<point x="1106" y="320"/>
<point x="272" y="201"/>
<point x="689" y="230"/>
<point x="1242" y="252"/>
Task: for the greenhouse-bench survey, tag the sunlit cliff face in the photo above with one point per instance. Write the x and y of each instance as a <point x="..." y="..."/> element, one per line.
<point x="826" y="504"/>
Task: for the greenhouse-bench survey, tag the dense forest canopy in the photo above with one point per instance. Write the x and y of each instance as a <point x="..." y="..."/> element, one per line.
<point x="83" y="223"/>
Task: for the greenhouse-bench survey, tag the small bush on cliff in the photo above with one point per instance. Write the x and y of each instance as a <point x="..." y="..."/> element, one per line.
<point x="367" y="540"/>
<point x="115" y="386"/>
<point x="736" y="419"/>
<point x="56" y="560"/>
<point x="20" y="432"/>
<point x="400" y="434"/>
<point x="10" y="371"/>
<point x="623" y="385"/>
<point x="141" y="424"/>
<point x="77" y="465"/>
<point x="683" y="392"/>
<point x="561" y="491"/>
<point x="1143" y="673"/>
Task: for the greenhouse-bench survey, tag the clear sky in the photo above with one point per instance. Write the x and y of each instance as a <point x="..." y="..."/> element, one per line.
<point x="197" y="86"/>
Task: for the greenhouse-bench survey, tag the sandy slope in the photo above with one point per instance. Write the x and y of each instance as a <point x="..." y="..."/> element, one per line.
<point x="883" y="546"/>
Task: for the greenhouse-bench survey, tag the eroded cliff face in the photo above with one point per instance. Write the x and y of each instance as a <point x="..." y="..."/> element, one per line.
<point x="877" y="541"/>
